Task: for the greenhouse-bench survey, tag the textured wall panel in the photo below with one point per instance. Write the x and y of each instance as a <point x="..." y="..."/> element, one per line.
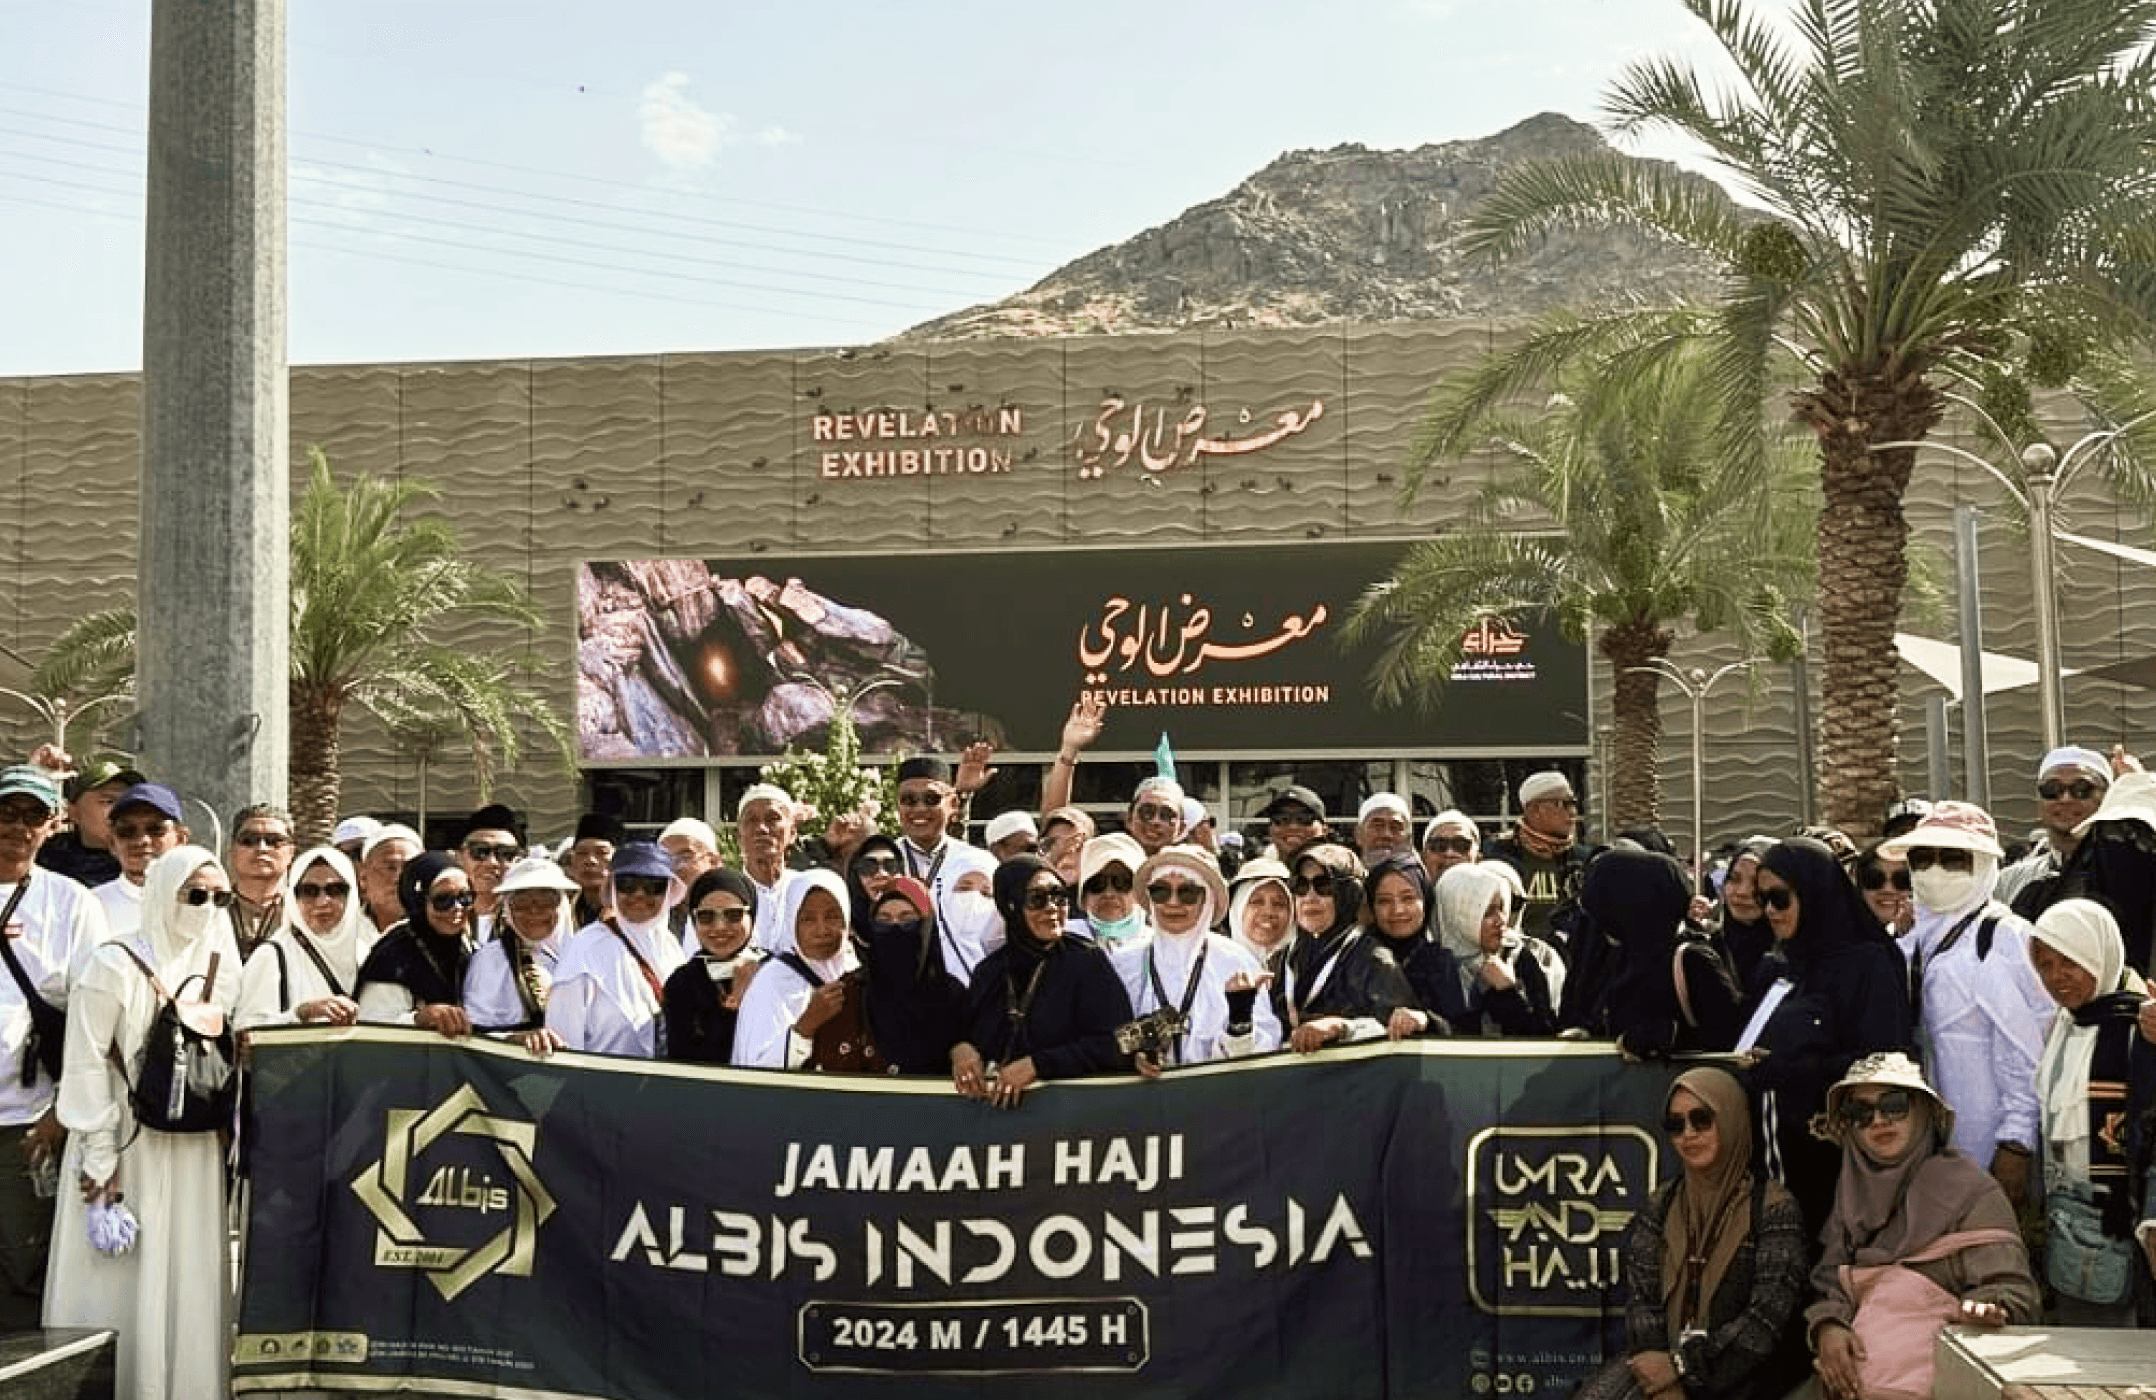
<point x="1274" y="403"/>
<point x="729" y="429"/>
<point x="1115" y="493"/>
<point x="855" y="387"/>
<point x="354" y="413"/>
<point x="1025" y="504"/>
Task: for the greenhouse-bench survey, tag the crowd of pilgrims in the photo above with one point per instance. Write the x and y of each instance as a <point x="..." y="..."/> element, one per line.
<point x="1984" y="1019"/>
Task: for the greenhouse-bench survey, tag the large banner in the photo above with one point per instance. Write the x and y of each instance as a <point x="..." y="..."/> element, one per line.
<point x="1226" y="648"/>
<point x="1418" y="1220"/>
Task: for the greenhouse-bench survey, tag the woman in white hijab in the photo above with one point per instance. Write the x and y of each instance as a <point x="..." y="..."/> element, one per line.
<point x="512" y="974"/>
<point x="2095" y="1074"/>
<point x="1261" y="912"/>
<point x="610" y="985"/>
<point x="166" y="1296"/>
<point x="1498" y="987"/>
<point x="308" y="971"/>
<point x="806" y="983"/>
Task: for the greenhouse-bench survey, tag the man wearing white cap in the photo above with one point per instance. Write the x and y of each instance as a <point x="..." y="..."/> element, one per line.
<point x="764" y="827"/>
<point x="1450" y="839"/>
<point x="1012" y="834"/>
<point x="2070" y="786"/>
<point x="1382" y="825"/>
<point x="1544" y="848"/>
<point x="1979" y="1009"/>
<point x="351" y="834"/>
<point x="381" y="865"/>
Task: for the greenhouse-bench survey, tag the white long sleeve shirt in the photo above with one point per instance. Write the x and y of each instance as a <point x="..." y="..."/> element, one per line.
<point x="52" y="934"/>
<point x="600" y="1000"/>
<point x="1170" y="958"/>
<point x="1984" y="1021"/>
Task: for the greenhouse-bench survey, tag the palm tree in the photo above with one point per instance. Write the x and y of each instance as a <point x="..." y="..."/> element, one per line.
<point x="372" y="593"/>
<point x="1616" y="513"/>
<point x="1958" y="195"/>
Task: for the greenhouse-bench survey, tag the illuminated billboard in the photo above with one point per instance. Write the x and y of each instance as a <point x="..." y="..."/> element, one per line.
<point x="1232" y="649"/>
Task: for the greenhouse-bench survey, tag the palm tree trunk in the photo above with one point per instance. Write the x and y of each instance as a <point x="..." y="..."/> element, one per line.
<point x="317" y="770"/>
<point x="1636" y="714"/>
<point x="1863" y="565"/>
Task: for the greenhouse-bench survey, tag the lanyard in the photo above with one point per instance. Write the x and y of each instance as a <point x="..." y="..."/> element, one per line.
<point x="1296" y="1004"/>
<point x="1190" y="986"/>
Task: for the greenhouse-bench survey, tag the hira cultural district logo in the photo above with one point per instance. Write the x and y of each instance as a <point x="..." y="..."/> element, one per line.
<point x="470" y="1170"/>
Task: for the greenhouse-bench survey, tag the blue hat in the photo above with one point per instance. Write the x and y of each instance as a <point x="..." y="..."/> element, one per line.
<point x="641" y="858"/>
<point x="29" y="780"/>
<point x="153" y="795"/>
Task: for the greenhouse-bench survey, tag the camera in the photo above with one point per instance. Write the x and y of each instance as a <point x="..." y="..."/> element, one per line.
<point x="1152" y="1035"/>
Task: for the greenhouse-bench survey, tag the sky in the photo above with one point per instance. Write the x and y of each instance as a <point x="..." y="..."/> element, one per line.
<point x="479" y="179"/>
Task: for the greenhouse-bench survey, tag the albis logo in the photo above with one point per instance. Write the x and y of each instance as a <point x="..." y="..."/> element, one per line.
<point x="385" y="1188"/>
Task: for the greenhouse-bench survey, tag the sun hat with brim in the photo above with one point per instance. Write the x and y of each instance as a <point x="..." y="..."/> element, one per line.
<point x="1195" y="861"/>
<point x="1260" y="868"/>
<point x="2132" y="797"/>
<point x="1336" y="858"/>
<point x="536" y="873"/>
<point x="1889" y="1069"/>
<point x="1104" y="851"/>
<point x="1951" y="826"/>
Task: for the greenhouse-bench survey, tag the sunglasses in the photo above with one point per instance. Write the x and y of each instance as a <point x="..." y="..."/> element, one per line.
<point x="1925" y="857"/>
<point x="732" y="914"/>
<point x="922" y="799"/>
<point x="1116" y="880"/>
<point x="443" y="903"/>
<point x="876" y="865"/>
<point x="1570" y="804"/>
<point x="1877" y="879"/>
<point x="1321" y="885"/>
<point x="1892" y="1106"/>
<point x="649" y="886"/>
<point x="1150" y="812"/>
<point x="1780" y="897"/>
<point x="480" y="850"/>
<point x="1059" y="898"/>
<point x="262" y="840"/>
<point x="24" y="814"/>
<point x="221" y="898"/>
<point x="136" y="831"/>
<point x="1293" y="816"/>
<point x="336" y="889"/>
<point x="1164" y="893"/>
<point x="1699" y="1120"/>
<point x="1449" y="845"/>
<point x="2080" y="789"/>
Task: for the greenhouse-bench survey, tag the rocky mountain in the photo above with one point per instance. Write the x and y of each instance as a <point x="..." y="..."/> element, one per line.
<point x="1344" y="234"/>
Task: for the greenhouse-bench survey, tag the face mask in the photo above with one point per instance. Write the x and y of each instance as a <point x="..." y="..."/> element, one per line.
<point x="1939" y="890"/>
<point x="1113" y="931"/>
<point x="192" y="921"/>
<point x="973" y="919"/>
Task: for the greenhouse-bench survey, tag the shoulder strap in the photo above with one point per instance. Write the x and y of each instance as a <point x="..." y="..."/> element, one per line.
<point x="1960" y="1240"/>
<point x="1684" y="988"/>
<point x="314" y="955"/>
<point x="651" y="979"/>
<point x="1985" y="933"/>
<point x="800" y="965"/>
<point x="7" y="945"/>
<point x="284" y="981"/>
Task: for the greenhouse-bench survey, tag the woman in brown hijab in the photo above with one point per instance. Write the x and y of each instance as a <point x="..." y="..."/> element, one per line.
<point x="1714" y="1264"/>
<point x="1920" y="1236"/>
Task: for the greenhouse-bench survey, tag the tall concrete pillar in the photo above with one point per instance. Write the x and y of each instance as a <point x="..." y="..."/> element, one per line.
<point x="213" y="599"/>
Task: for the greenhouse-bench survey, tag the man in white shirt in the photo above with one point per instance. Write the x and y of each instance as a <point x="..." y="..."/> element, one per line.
<point x="51" y="924"/>
<point x="146" y="823"/>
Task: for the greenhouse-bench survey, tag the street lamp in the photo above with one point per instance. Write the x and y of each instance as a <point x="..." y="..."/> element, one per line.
<point x="2045" y="474"/>
<point x="1695" y="684"/>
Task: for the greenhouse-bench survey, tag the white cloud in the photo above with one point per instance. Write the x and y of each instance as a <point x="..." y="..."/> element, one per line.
<point x="679" y="131"/>
<point x="776" y="136"/>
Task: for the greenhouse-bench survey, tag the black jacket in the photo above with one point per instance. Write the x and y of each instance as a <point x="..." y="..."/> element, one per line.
<point x="1070" y="1019"/>
<point x="1523" y="1010"/>
<point x="1365" y="981"/>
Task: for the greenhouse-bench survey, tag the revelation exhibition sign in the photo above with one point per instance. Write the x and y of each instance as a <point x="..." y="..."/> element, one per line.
<point x="1418" y="1220"/>
<point x="1227" y="648"/>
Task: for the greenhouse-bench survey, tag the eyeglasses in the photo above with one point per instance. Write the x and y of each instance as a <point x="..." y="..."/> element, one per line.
<point x="269" y="840"/>
<point x="876" y="865"/>
<point x="1699" y="1120"/>
<point x="2080" y="789"/>
<point x="1152" y="812"/>
<point x="732" y="914"/>
<point x="1165" y="893"/>
<point x="1947" y="858"/>
<point x="138" y="831"/>
<point x="1450" y="845"/>
<point x="1293" y="816"/>
<point x="1570" y="804"/>
<point x="1877" y="879"/>
<point x="1118" y="880"/>
<point x="481" y="851"/>
<point x="443" y="903"/>
<point x="1037" y="900"/>
<point x="1780" y="897"/>
<point x="1892" y="1106"/>
<point x="335" y="889"/>
<point x="922" y="799"/>
<point x="1321" y="885"/>
<point x="23" y="814"/>
<point x="649" y="886"/>
<point x="199" y="897"/>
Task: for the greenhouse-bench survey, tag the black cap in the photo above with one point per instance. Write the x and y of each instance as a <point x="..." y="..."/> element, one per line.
<point x="1295" y="795"/>
<point x="493" y="817"/>
<point x="600" y="826"/>
<point x="924" y="766"/>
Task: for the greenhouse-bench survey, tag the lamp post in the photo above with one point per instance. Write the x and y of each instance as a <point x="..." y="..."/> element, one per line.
<point x="2045" y="475"/>
<point x="1695" y="684"/>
